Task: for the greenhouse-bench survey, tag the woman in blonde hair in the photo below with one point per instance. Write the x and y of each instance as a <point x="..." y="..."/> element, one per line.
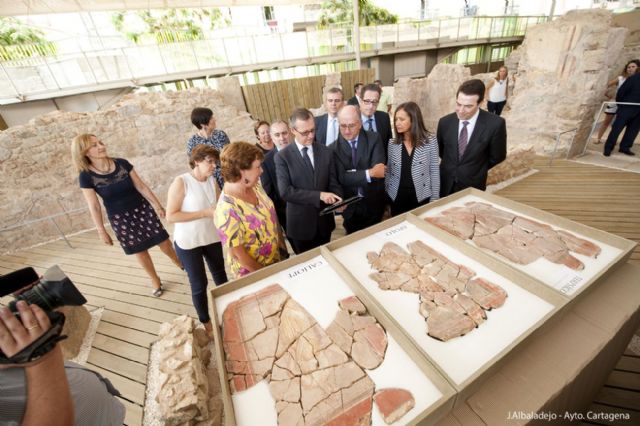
<point x="245" y="216"/>
<point x="128" y="202"/>
<point x="497" y="91"/>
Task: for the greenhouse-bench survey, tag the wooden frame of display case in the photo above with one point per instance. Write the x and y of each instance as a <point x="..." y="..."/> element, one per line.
<point x="430" y="415"/>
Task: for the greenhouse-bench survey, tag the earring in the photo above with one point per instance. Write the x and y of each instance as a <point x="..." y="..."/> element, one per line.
<point x="246" y="180"/>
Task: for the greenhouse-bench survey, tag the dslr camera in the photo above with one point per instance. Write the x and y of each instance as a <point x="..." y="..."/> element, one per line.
<point x="51" y="291"/>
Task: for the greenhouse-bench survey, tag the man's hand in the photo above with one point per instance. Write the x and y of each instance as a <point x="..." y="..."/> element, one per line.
<point x="329" y="197"/>
<point x="15" y="334"/>
<point x="378" y="171"/>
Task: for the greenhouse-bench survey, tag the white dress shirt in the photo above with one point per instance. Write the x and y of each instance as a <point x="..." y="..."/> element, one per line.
<point x="309" y="151"/>
<point x="470" y="126"/>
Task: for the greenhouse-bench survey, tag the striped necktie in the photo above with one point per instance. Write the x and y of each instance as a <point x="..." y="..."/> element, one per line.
<point x="462" y="140"/>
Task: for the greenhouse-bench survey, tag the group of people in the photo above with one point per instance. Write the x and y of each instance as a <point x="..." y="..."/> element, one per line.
<point x="623" y="113"/>
<point x="247" y="197"/>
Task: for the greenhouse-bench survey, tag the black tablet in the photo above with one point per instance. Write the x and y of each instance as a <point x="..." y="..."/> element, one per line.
<point x="334" y="206"/>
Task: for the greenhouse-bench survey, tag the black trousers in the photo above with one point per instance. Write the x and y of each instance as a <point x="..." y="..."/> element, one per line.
<point x="300" y="246"/>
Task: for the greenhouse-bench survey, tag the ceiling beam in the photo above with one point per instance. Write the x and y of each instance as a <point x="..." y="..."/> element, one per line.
<point x="34" y="7"/>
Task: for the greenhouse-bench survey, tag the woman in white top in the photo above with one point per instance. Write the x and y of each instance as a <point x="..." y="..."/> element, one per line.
<point x="611" y="109"/>
<point x="191" y="205"/>
<point x="496" y="92"/>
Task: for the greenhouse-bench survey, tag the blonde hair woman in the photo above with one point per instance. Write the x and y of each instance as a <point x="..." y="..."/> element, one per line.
<point x="497" y="91"/>
<point x="128" y="202"/>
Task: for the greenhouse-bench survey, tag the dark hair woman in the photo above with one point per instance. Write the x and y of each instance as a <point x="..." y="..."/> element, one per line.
<point x="207" y="134"/>
<point x="191" y="205"/>
<point x="413" y="172"/>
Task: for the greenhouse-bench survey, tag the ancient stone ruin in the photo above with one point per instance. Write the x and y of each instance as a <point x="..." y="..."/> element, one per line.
<point x="514" y="237"/>
<point x="451" y="299"/>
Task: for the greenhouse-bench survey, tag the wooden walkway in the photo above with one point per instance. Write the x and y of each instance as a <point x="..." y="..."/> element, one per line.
<point x="603" y="198"/>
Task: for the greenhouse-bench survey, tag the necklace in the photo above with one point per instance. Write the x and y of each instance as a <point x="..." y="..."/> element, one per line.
<point x="203" y="185"/>
<point x="100" y="170"/>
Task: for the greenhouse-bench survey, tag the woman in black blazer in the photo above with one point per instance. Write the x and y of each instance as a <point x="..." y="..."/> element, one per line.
<point x="413" y="173"/>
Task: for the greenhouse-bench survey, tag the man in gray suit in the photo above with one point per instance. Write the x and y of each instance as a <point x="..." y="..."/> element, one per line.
<point x="471" y="141"/>
<point x="307" y="182"/>
<point x="360" y="166"/>
<point x="327" y="124"/>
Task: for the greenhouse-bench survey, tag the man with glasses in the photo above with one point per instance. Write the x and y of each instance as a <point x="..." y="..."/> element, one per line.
<point x="307" y="182"/>
<point x="360" y="167"/>
<point x="372" y="120"/>
<point x="327" y="124"/>
<point x="280" y="135"/>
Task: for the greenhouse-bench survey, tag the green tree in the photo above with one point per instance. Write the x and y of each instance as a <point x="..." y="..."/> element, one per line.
<point x="18" y="41"/>
<point x="341" y="11"/>
<point x="168" y="25"/>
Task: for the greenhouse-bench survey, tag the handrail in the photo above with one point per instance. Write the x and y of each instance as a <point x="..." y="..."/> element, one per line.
<point x="595" y="121"/>
<point x="50" y="217"/>
<point x="86" y="70"/>
<point x="555" y="147"/>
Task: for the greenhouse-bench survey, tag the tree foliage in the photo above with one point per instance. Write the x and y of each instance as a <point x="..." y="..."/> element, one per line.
<point x="168" y="25"/>
<point x="18" y="41"/>
<point x="341" y="11"/>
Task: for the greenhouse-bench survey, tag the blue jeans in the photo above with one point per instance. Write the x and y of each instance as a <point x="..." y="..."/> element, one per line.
<point x="193" y="262"/>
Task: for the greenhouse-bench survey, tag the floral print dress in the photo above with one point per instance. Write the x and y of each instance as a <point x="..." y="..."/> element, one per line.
<point x="253" y="227"/>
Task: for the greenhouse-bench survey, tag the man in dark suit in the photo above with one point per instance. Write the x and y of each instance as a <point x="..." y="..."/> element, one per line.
<point x="626" y="116"/>
<point x="471" y="141"/>
<point x="355" y="100"/>
<point x="280" y="135"/>
<point x="372" y="120"/>
<point x="307" y="182"/>
<point x="360" y="167"/>
<point x="327" y="124"/>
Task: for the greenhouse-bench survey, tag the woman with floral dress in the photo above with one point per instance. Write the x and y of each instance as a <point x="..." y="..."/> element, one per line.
<point x="245" y="216"/>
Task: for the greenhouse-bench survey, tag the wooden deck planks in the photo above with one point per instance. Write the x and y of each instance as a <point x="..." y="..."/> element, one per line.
<point x="603" y="198"/>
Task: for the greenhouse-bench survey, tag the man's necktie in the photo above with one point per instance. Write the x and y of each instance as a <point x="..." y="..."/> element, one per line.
<point x="306" y="159"/>
<point x="354" y="154"/>
<point x="370" y="125"/>
<point x="333" y="133"/>
<point x="462" y="140"/>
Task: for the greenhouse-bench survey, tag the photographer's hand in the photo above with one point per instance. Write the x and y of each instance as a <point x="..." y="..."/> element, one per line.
<point x="48" y="396"/>
<point x="15" y="334"/>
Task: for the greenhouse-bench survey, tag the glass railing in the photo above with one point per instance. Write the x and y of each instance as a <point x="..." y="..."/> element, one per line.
<point x="84" y="69"/>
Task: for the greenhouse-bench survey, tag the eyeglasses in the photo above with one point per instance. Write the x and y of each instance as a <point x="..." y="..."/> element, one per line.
<point x="348" y="126"/>
<point x="370" y="102"/>
<point x="305" y="133"/>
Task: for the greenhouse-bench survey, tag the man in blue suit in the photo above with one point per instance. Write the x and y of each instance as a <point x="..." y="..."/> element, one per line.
<point x="307" y="182"/>
<point x="280" y="135"/>
<point x="373" y="120"/>
<point x="360" y="167"/>
<point x="626" y="116"/>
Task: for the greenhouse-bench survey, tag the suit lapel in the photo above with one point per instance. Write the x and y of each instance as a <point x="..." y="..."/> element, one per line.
<point x="362" y="146"/>
<point x="301" y="164"/>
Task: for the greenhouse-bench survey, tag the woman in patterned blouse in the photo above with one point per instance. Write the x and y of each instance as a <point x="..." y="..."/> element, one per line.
<point x="207" y="134"/>
<point x="245" y="216"/>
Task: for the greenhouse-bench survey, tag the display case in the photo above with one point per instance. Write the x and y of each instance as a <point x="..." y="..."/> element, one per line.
<point x="469" y="354"/>
<point x="280" y="338"/>
<point x="564" y="255"/>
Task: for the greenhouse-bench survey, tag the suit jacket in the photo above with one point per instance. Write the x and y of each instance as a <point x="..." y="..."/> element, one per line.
<point x="321" y="128"/>
<point x="425" y="170"/>
<point x="383" y="127"/>
<point x="486" y="148"/>
<point x="629" y="92"/>
<point x="369" y="153"/>
<point x="353" y="101"/>
<point x="300" y="188"/>
<point x="270" y="183"/>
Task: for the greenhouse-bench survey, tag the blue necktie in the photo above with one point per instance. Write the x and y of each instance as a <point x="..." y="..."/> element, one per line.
<point x="354" y="153"/>
<point x="370" y="123"/>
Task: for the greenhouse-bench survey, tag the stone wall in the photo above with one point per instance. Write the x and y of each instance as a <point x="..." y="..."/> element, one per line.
<point x="150" y="130"/>
<point x="562" y="72"/>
